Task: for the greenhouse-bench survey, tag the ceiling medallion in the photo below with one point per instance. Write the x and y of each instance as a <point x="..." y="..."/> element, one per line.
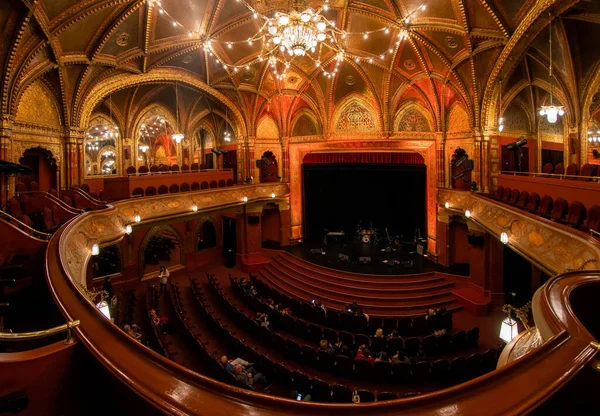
<point x="409" y="64"/>
<point x="296" y="30"/>
<point x="187" y="59"/>
<point x="350" y="80"/>
<point x="292" y="80"/>
<point x="123" y="39"/>
<point x="451" y="42"/>
<point x="247" y="76"/>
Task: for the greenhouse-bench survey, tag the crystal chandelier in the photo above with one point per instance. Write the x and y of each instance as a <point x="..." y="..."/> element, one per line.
<point x="297" y="33"/>
<point x="551" y="111"/>
<point x="594" y="138"/>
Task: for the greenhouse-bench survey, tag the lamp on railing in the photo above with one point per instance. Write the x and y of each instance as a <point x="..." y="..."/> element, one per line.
<point x="504" y="237"/>
<point x="104" y="308"/>
<point x="245" y="199"/>
<point x="102" y="305"/>
<point x="468" y="213"/>
<point x="128" y="229"/>
<point x="508" y="328"/>
<point x="504" y="234"/>
<point x="195" y="207"/>
<point x="446" y="204"/>
<point x="273" y="195"/>
<point x="137" y="217"/>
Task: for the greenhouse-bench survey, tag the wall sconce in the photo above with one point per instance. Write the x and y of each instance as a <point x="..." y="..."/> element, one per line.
<point x="95" y="249"/>
<point x="245" y="199"/>
<point x="468" y="214"/>
<point x="195" y="207"/>
<point x="103" y="307"/>
<point x="273" y="195"/>
<point x="137" y="217"/>
<point x="504" y="234"/>
<point x="508" y="328"/>
<point x="128" y="229"/>
<point x="447" y="205"/>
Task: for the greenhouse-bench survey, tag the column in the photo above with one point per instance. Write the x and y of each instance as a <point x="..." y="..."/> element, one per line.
<point x="443" y="237"/>
<point x="477" y="174"/>
<point x="74" y="158"/>
<point x="440" y="146"/>
<point x="494" y="162"/>
<point x="285" y="162"/>
<point x="484" y="185"/>
<point x="6" y="129"/>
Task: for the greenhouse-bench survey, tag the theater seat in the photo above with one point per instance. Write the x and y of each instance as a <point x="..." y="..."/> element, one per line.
<point x="514" y="197"/>
<point x="576" y="214"/>
<point x="534" y="202"/>
<point x="572" y="170"/>
<point x="545" y="205"/>
<point x="548" y="168"/>
<point x="593" y="218"/>
<point x="523" y="199"/>
<point x="163" y="190"/>
<point x="143" y="169"/>
<point x="559" y="169"/>
<point x="560" y="209"/>
<point x="588" y="170"/>
<point x="499" y="192"/>
<point x="506" y="195"/>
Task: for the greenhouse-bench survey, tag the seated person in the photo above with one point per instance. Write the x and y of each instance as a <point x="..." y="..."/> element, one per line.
<point x="382" y="356"/>
<point x="419" y="357"/>
<point x="364" y="354"/>
<point x="324" y="345"/>
<point x="286" y="311"/>
<point x="439" y="332"/>
<point x="248" y="377"/>
<point x="319" y="304"/>
<point x="133" y="334"/>
<point x="262" y="319"/>
<point x="229" y="364"/>
<point x="394" y="334"/>
<point x="243" y="283"/>
<point x="378" y="333"/>
<point x="271" y="304"/>
<point x="399" y="358"/>
<point x="345" y="351"/>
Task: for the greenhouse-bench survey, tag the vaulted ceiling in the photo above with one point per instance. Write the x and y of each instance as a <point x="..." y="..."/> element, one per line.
<point x="452" y="52"/>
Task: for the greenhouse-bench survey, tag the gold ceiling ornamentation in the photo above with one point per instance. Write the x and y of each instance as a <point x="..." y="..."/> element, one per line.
<point x="123" y="39"/>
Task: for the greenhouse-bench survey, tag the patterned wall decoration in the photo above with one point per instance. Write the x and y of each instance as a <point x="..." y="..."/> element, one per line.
<point x="554" y="133"/>
<point x="267" y="128"/>
<point x="515" y="119"/>
<point x="458" y="120"/>
<point x="412" y="119"/>
<point x="355" y="118"/>
<point x="39" y="106"/>
<point x="304" y="127"/>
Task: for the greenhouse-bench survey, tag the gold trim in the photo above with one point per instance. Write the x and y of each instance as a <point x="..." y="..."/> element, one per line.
<point x="24" y="336"/>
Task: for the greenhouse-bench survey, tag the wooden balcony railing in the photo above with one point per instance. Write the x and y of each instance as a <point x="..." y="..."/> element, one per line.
<point x="177" y="390"/>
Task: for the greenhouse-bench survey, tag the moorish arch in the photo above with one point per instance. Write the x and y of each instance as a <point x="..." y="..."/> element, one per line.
<point x="355" y="114"/>
<point x="412" y="116"/>
<point x="39" y="105"/>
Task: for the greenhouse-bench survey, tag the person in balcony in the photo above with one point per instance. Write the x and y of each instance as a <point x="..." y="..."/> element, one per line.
<point x="364" y="354"/>
<point x="326" y="346"/>
<point x="382" y="356"/>
<point x="378" y="333"/>
<point x="163" y="278"/>
<point x="393" y="334"/>
<point x="400" y="358"/>
<point x="249" y="378"/>
<point x="229" y="364"/>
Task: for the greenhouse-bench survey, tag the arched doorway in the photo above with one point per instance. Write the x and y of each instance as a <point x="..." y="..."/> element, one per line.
<point x="271" y="227"/>
<point x="43" y="166"/>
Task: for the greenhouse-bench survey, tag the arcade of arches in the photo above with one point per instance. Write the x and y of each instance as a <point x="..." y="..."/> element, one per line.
<point x="115" y="95"/>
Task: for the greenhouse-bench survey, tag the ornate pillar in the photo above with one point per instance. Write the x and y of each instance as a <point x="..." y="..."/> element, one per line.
<point x="440" y="146"/>
<point x="74" y="158"/>
<point x="6" y="129"/>
<point x="493" y="162"/>
<point x="484" y="185"/>
<point x="251" y="145"/>
<point x="477" y="174"/>
<point x="285" y="159"/>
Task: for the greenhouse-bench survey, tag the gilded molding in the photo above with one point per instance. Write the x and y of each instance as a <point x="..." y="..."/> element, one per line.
<point x="550" y="246"/>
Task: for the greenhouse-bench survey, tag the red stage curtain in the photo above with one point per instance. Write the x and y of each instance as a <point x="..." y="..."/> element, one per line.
<point x="377" y="157"/>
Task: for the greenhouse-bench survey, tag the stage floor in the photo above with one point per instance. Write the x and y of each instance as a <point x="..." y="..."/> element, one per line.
<point x="355" y="249"/>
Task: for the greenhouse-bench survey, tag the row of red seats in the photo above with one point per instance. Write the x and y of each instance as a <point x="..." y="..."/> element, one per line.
<point x="587" y="170"/>
<point x="185" y="187"/>
<point x="573" y="214"/>
<point x="144" y="170"/>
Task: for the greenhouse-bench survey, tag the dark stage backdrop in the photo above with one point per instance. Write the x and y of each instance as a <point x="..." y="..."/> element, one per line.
<point x="337" y="197"/>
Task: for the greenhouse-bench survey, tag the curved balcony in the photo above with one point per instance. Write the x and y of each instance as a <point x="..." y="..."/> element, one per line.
<point x="177" y="390"/>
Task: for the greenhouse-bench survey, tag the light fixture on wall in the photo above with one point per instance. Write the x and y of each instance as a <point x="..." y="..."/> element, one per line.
<point x="195" y="207"/>
<point x="178" y="137"/>
<point x="551" y="111"/>
<point x="468" y="213"/>
<point x="226" y="135"/>
<point x="504" y="234"/>
<point x="95" y="249"/>
<point x="144" y="148"/>
<point x="128" y="229"/>
<point x="273" y="195"/>
<point x="137" y="217"/>
<point x="245" y="199"/>
<point x="446" y="204"/>
<point x="509" y="329"/>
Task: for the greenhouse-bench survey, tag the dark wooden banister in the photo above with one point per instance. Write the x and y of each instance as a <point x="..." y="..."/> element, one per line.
<point x="516" y="388"/>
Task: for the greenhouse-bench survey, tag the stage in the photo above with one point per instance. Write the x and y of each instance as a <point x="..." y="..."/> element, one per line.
<point x="397" y="258"/>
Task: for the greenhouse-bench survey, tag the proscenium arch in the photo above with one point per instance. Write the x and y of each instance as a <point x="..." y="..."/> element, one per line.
<point x="120" y="81"/>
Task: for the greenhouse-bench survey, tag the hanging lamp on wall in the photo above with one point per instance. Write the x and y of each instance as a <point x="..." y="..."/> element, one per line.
<point x="178" y="137"/>
<point x="551" y="111"/>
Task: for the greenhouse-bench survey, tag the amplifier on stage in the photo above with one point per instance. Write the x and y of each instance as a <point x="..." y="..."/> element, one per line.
<point x="343" y="258"/>
<point x="316" y="250"/>
<point x="364" y="260"/>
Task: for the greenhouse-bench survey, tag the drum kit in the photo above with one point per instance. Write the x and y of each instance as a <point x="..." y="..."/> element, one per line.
<point x="367" y="236"/>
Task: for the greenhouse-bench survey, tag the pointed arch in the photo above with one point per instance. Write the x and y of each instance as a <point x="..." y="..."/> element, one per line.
<point x="355" y="114"/>
<point x="413" y="116"/>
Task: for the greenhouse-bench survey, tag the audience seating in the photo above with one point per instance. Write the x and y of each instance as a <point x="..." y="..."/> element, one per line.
<point x="174" y="188"/>
<point x="560" y="209"/>
<point x="185" y="168"/>
<point x="593" y="218"/>
<point x="162" y="189"/>
<point x="222" y="183"/>
<point x="559" y="169"/>
<point x="174" y="168"/>
<point x="572" y="170"/>
<point x="514" y="197"/>
<point x="506" y="194"/>
<point x="588" y="170"/>
<point x="131" y="170"/>
<point x="545" y="206"/>
<point x="523" y="200"/>
<point x="534" y="202"/>
<point x="195" y="186"/>
<point x="213" y="184"/>
<point x="150" y="191"/>
<point x="229" y="182"/>
<point x="548" y="168"/>
<point x="143" y="169"/>
<point x="204" y="185"/>
<point x="138" y="192"/>
<point x="576" y="214"/>
<point x="499" y="192"/>
<point x="185" y="187"/>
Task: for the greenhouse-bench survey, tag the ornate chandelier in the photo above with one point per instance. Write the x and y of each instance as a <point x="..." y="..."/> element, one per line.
<point x="297" y="32"/>
<point x="551" y="111"/>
